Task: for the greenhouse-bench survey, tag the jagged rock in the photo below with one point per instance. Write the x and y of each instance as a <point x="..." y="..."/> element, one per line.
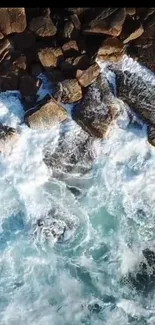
<point x="45" y="116"/>
<point x="70" y="49"/>
<point x="73" y="154"/>
<point x="97" y="109"/>
<point x="112" y="49"/>
<point x="12" y="20"/>
<point x="50" y="56"/>
<point x="20" y="62"/>
<point x="112" y="25"/>
<point x="8" y="137"/>
<point x="136" y="91"/>
<point x="68" y="91"/>
<point x="42" y="26"/>
<point x="87" y="77"/>
<point x="51" y="228"/>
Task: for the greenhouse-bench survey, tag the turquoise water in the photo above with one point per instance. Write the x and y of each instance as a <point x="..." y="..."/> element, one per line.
<point x="79" y="279"/>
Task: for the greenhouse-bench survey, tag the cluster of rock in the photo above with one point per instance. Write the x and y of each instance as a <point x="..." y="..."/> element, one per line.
<point x="64" y="43"/>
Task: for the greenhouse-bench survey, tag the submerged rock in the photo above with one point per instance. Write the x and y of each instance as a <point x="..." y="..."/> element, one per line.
<point x="51" y="228"/>
<point x="97" y="109"/>
<point x="73" y="153"/>
<point x="8" y="137"/>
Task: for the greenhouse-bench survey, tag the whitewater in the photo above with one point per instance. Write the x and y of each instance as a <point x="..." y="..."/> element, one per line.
<point x="77" y="280"/>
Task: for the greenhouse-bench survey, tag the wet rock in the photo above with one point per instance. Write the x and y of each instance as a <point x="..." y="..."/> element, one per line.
<point x="112" y="49"/>
<point x="97" y="109"/>
<point x="20" y="62"/>
<point x="68" y="91"/>
<point x="45" y="116"/>
<point x="12" y="20"/>
<point x="50" y="56"/>
<point x="137" y="92"/>
<point x="8" y="137"/>
<point x="87" y="77"/>
<point x="151" y="135"/>
<point x="81" y="62"/>
<point x="112" y="25"/>
<point x="49" y="228"/>
<point x="70" y="49"/>
<point x="42" y="26"/>
<point x="73" y="154"/>
<point x="95" y="308"/>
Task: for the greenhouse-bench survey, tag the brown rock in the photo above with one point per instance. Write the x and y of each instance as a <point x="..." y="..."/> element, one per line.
<point x="1" y="36"/>
<point x="68" y="30"/>
<point x="112" y="49"/>
<point x="68" y="91"/>
<point x="70" y="49"/>
<point x="132" y="29"/>
<point x="12" y="20"/>
<point x="50" y="56"/>
<point x="151" y="135"/>
<point x="8" y="137"/>
<point x="130" y="11"/>
<point x="97" y="109"/>
<point x="46" y="116"/>
<point x="5" y="47"/>
<point x="28" y="85"/>
<point x="42" y="26"/>
<point x="112" y="25"/>
<point x="87" y="77"/>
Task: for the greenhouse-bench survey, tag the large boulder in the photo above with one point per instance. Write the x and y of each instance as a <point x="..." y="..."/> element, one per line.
<point x="68" y="91"/>
<point x="137" y="88"/>
<point x="97" y="109"/>
<point x="42" y="26"/>
<point x="45" y="116"/>
<point x="50" y="57"/>
<point x="111" y="49"/>
<point x="12" y="20"/>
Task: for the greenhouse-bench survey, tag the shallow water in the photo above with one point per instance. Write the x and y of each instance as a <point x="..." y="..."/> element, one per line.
<point x="47" y="282"/>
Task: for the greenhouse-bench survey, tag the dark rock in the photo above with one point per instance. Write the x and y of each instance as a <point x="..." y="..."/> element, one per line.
<point x="42" y="26"/>
<point x="45" y="116"/>
<point x="112" y="25"/>
<point x="50" y="57"/>
<point x="97" y="109"/>
<point x="12" y="20"/>
<point x="20" y="63"/>
<point x="52" y="228"/>
<point x="151" y="135"/>
<point x="68" y="91"/>
<point x="69" y="30"/>
<point x="36" y="69"/>
<point x="95" y="308"/>
<point x="28" y="85"/>
<point x="76" y="22"/>
<point x="8" y="137"/>
<point x="87" y="77"/>
<point x="132" y="29"/>
<point x="23" y="41"/>
<point x="70" y="49"/>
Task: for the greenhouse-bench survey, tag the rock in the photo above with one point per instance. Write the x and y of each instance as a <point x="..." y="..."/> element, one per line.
<point x="87" y="77"/>
<point x="68" y="30"/>
<point x="1" y="36"/>
<point x="112" y="25"/>
<point x="151" y="135"/>
<point x="12" y="20"/>
<point x="137" y="89"/>
<point x="28" y="85"/>
<point x="8" y="137"/>
<point x="112" y="49"/>
<point x="132" y="29"/>
<point x="42" y="26"/>
<point x="78" y="11"/>
<point x="46" y="116"/>
<point x="96" y="15"/>
<point x="70" y="49"/>
<point x="20" y="63"/>
<point x="130" y="11"/>
<point x="68" y="91"/>
<point x="81" y="62"/>
<point x="49" y="229"/>
<point x="97" y="109"/>
<point x="55" y="76"/>
<point x="73" y="154"/>
<point x="76" y="22"/>
<point x="23" y="41"/>
<point x="50" y="56"/>
<point x="5" y="48"/>
<point x="36" y="69"/>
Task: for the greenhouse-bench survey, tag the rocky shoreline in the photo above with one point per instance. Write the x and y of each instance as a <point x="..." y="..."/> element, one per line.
<point x="65" y="44"/>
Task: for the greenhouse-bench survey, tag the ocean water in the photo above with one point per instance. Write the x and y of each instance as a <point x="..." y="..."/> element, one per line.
<point x="77" y="281"/>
